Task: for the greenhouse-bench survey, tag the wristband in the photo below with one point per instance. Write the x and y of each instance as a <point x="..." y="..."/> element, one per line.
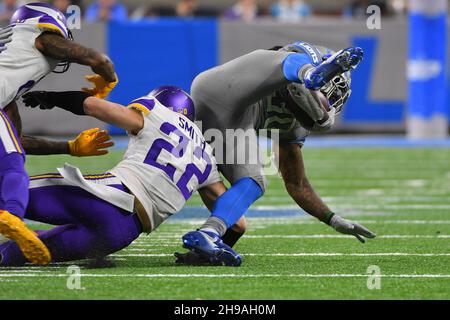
<point x="328" y="217"/>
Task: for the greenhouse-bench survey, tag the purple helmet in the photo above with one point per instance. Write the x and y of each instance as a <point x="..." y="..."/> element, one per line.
<point x="42" y="15"/>
<point x="175" y="99"/>
<point x="45" y="17"/>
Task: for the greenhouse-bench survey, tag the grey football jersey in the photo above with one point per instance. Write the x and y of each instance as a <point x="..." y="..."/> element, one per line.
<point x="271" y="113"/>
<point x="242" y="94"/>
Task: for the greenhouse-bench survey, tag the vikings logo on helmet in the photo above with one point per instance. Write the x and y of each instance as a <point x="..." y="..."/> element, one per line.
<point x="175" y="99"/>
<point x="46" y="17"/>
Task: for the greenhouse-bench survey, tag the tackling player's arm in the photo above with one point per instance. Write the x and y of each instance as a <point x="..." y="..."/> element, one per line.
<point x="92" y="142"/>
<point x="129" y="119"/>
<point x="300" y="189"/>
<point x="55" y="46"/>
<point x="33" y="145"/>
<point x="82" y="103"/>
<point x="41" y="146"/>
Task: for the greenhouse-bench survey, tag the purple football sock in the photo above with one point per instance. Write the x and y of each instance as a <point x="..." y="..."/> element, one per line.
<point x="66" y="243"/>
<point x="13" y="184"/>
<point x="10" y="255"/>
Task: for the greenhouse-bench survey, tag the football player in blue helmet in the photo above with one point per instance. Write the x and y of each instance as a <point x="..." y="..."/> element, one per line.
<point x="293" y="89"/>
<point x="36" y="43"/>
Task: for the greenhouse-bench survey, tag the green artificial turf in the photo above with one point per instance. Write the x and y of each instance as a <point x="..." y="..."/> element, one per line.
<point x="401" y="194"/>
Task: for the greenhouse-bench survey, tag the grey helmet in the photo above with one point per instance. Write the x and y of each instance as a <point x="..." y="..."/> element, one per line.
<point x="338" y="90"/>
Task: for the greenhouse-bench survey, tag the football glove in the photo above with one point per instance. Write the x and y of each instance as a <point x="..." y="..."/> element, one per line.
<point x="92" y="142"/>
<point x="39" y="99"/>
<point x="101" y="88"/>
<point x="327" y="124"/>
<point x="351" y="228"/>
<point x="72" y="101"/>
<point x="339" y="63"/>
<point x="5" y="37"/>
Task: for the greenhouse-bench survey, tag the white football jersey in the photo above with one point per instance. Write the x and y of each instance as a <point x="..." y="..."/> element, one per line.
<point x="166" y="161"/>
<point x="21" y="64"/>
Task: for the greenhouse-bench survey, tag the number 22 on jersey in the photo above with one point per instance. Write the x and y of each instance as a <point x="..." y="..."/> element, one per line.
<point x="178" y="153"/>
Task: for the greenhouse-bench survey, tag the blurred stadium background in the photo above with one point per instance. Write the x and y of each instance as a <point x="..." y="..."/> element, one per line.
<point x="157" y="42"/>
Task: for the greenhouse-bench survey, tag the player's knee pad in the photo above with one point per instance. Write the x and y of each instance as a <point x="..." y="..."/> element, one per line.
<point x="14" y="182"/>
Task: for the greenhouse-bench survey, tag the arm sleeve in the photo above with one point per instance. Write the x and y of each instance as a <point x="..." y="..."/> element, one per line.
<point x="249" y="78"/>
<point x="71" y="101"/>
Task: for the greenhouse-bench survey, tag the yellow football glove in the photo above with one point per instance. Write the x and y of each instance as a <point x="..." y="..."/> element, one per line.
<point x="102" y="88"/>
<point x="92" y="142"/>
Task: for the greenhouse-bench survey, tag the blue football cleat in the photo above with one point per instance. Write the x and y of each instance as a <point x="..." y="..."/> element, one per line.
<point x="211" y="247"/>
<point x="339" y="63"/>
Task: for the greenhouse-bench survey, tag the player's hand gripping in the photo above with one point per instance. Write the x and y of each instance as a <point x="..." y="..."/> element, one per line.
<point x="352" y="228"/>
<point x="5" y="37"/>
<point x="39" y="99"/>
<point x="339" y="63"/>
<point x="92" y="142"/>
<point x="101" y="88"/>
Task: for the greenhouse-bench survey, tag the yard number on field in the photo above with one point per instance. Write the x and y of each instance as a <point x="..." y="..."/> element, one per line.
<point x="374" y="279"/>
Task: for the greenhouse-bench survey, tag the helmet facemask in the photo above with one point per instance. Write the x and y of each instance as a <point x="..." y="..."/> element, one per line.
<point x="337" y="91"/>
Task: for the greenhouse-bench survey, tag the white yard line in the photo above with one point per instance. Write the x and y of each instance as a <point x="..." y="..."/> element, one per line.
<point x="334" y="254"/>
<point x="361" y="207"/>
<point x="9" y="280"/>
<point x="302" y="275"/>
<point x="149" y="243"/>
<point x="307" y="220"/>
<point x="331" y="236"/>
<point x="281" y="200"/>
<point x="397" y="207"/>
<point x="311" y="221"/>
<point x="303" y="254"/>
<point x="273" y="210"/>
<point x="167" y="243"/>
